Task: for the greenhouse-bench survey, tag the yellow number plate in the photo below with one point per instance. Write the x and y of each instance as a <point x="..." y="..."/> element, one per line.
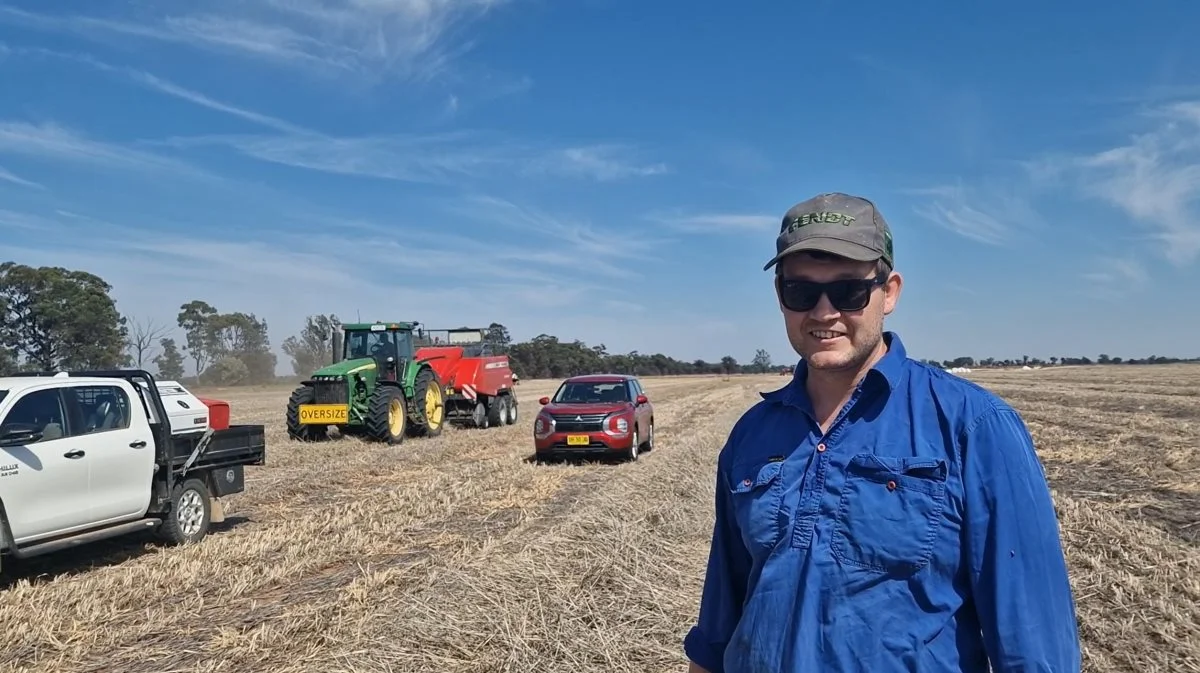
<point x="578" y="440"/>
<point x="324" y="414"/>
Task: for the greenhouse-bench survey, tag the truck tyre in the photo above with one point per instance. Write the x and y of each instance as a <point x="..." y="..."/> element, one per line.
<point x="511" y="401"/>
<point x="495" y="410"/>
<point x="387" y="417"/>
<point x="430" y="405"/>
<point x="297" y="431"/>
<point x="189" y="515"/>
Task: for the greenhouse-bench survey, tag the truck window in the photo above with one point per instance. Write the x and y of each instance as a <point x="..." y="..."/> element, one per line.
<point x="103" y="407"/>
<point x="40" y="410"/>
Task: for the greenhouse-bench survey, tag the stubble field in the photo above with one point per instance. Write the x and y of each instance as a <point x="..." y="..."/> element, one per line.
<point x="455" y="554"/>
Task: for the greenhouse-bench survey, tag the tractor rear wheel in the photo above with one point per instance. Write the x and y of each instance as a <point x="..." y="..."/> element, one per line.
<point x="430" y="405"/>
<point x="387" y="417"/>
<point x="297" y="430"/>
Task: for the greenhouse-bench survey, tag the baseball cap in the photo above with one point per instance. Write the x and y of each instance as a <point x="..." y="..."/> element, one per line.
<point x="840" y="224"/>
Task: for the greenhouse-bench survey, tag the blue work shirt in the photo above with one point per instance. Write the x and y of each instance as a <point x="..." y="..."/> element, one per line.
<point x="917" y="535"/>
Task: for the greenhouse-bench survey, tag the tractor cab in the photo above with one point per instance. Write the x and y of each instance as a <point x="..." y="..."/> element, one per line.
<point x="388" y="344"/>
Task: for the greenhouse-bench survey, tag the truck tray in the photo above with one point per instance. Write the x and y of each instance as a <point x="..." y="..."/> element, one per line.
<point x="235" y="445"/>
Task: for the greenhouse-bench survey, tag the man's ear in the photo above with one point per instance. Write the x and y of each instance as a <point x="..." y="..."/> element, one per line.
<point x="892" y="288"/>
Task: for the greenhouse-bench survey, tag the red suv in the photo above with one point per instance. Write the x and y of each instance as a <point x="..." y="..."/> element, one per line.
<point x="595" y="414"/>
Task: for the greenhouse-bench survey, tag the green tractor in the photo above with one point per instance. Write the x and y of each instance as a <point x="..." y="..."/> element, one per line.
<point x="378" y="390"/>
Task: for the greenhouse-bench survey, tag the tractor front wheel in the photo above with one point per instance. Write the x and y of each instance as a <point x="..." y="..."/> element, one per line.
<point x="387" y="418"/>
<point x="297" y="430"/>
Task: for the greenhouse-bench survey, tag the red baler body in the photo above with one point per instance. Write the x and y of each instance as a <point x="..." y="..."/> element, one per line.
<point x="468" y="376"/>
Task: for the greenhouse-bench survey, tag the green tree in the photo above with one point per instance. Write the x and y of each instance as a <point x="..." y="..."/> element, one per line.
<point x="761" y="361"/>
<point x="313" y="348"/>
<point x="169" y="360"/>
<point x="242" y="337"/>
<point x="497" y="338"/>
<point x="194" y="318"/>
<point x="55" y="318"/>
<point x="8" y="361"/>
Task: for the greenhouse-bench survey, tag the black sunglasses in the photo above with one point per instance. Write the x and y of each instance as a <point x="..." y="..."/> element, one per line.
<point x="852" y="294"/>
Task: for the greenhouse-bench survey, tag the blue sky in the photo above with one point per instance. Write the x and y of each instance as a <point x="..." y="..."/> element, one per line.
<point x="612" y="171"/>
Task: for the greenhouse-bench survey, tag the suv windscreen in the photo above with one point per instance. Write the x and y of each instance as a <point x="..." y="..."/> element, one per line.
<point x="592" y="393"/>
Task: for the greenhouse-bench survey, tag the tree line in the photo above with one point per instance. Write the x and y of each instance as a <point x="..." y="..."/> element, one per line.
<point x="56" y="318"/>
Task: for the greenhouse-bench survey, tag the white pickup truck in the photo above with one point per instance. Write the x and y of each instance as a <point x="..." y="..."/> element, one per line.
<point x="90" y="455"/>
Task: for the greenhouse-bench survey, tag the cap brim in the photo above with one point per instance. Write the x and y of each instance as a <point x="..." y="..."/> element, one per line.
<point x="833" y="246"/>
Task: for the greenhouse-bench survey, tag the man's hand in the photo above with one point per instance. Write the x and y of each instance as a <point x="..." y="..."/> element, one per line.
<point x="693" y="667"/>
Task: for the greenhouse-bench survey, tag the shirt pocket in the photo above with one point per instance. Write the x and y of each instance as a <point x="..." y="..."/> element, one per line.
<point x="757" y="495"/>
<point x="889" y="512"/>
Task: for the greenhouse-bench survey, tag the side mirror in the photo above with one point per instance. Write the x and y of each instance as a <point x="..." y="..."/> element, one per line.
<point x="642" y="399"/>
<point x="544" y="401"/>
<point x="18" y="434"/>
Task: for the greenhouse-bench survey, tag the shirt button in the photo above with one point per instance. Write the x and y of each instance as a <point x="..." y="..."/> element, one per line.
<point x="891" y="485"/>
<point x="821" y="448"/>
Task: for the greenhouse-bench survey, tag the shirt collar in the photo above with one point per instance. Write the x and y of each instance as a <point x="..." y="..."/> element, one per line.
<point x="888" y="370"/>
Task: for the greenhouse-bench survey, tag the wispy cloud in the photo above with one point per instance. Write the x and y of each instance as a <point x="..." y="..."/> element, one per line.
<point x="10" y="219"/>
<point x="161" y="85"/>
<point x="600" y="162"/>
<point x="988" y="214"/>
<point x="1117" y="271"/>
<point x="53" y="141"/>
<point x="172" y="89"/>
<point x="1154" y="179"/>
<point x="716" y="222"/>
<point x="8" y="176"/>
<point x="567" y="239"/>
<point x="429" y="158"/>
<point x="1113" y="277"/>
<point x="478" y="280"/>
<point x="413" y="39"/>
<point x="424" y="158"/>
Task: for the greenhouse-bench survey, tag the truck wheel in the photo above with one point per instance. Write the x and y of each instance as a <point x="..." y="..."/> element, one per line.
<point x="296" y="430"/>
<point x="387" y="417"/>
<point x="430" y="405"/>
<point x="189" y="515"/>
<point x="495" y="415"/>
<point x="511" y="401"/>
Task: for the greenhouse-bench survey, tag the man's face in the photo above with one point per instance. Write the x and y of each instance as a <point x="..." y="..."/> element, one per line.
<point x="832" y="339"/>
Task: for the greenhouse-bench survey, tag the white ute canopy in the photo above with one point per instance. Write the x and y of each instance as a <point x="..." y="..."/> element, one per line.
<point x="185" y="411"/>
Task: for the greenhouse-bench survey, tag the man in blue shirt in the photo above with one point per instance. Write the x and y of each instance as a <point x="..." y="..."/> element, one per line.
<point x="876" y="514"/>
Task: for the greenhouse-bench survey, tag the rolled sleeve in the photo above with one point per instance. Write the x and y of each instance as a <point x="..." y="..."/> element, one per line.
<point x="1017" y="569"/>
<point x="724" y="586"/>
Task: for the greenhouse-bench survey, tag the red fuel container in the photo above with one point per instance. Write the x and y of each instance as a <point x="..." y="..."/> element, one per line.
<point x="218" y="413"/>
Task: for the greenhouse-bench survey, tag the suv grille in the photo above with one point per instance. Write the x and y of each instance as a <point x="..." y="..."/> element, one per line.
<point x="579" y="422"/>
